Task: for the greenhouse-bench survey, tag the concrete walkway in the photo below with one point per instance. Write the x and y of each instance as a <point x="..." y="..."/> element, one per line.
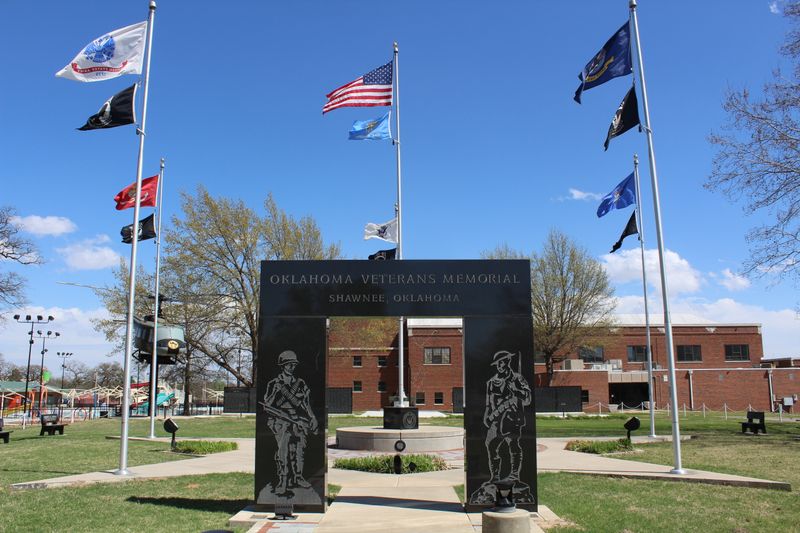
<point x="405" y="503"/>
<point x="551" y="457"/>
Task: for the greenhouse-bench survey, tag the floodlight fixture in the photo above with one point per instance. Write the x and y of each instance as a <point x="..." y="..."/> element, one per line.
<point x="39" y="318"/>
<point x="16" y="317"/>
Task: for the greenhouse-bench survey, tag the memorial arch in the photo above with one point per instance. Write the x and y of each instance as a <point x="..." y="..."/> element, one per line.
<point x="297" y="298"/>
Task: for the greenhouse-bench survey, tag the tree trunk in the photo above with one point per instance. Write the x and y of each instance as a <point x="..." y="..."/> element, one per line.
<point x="187" y="374"/>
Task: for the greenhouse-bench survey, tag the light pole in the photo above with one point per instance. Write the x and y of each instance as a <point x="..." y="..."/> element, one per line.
<point x="63" y="356"/>
<point x="41" y="335"/>
<point x="39" y="320"/>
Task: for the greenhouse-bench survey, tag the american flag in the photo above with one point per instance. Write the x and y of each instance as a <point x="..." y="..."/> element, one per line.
<point x="372" y="89"/>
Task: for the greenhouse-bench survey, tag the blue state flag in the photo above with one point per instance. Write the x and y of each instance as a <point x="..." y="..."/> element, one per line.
<point x="613" y="60"/>
<point x="623" y="195"/>
<point x="375" y="130"/>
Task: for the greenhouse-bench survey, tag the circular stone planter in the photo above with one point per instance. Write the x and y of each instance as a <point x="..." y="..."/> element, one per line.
<point x="424" y="439"/>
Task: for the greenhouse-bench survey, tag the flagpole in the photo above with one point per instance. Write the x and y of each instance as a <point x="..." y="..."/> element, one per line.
<point x="401" y="393"/>
<point x="676" y="432"/>
<point x="648" y="350"/>
<point x="126" y="380"/>
<point x="156" y="305"/>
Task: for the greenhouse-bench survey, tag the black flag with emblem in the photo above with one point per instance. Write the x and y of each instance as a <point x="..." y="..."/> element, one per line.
<point x="117" y="111"/>
<point x="630" y="229"/>
<point x="626" y="117"/>
<point x="384" y="255"/>
<point x="147" y="230"/>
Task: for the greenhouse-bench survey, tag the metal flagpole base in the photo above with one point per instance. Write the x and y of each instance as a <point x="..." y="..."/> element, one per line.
<point x="120" y="472"/>
<point x="677" y="471"/>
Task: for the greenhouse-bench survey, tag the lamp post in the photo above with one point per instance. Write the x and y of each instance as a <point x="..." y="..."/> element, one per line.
<point x="64" y="356"/>
<point x="28" y="320"/>
<point x="41" y="335"/>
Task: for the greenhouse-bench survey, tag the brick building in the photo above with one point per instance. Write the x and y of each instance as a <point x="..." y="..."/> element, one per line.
<point x="717" y="365"/>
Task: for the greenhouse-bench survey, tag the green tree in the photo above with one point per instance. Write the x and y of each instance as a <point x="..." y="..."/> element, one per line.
<point x="571" y="296"/>
<point x="758" y="162"/>
<point x="214" y="252"/>
<point x="211" y="267"/>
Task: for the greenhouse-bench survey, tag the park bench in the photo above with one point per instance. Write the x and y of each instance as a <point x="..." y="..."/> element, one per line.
<point x="4" y="434"/>
<point x="755" y="421"/>
<point x="50" y="424"/>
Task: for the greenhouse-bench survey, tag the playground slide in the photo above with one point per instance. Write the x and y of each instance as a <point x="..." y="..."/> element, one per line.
<point x="161" y="399"/>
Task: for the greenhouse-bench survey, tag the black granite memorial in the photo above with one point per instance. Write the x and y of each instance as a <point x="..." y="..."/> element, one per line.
<point x="499" y="416"/>
<point x="291" y="464"/>
<point x="296" y="298"/>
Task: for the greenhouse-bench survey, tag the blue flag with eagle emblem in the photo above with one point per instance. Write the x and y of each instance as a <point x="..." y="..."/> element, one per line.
<point x="374" y="130"/>
<point x="613" y="60"/>
<point x="623" y="195"/>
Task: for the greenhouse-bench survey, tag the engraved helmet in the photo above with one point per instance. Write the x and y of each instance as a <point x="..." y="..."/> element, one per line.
<point x="287" y="357"/>
<point x="501" y="356"/>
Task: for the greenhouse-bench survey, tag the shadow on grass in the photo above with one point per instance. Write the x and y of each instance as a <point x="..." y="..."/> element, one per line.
<point x="195" y="504"/>
<point x="43" y="472"/>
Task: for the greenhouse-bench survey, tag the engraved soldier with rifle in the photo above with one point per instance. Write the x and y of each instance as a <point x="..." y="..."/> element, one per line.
<point x="290" y="419"/>
<point x="507" y="396"/>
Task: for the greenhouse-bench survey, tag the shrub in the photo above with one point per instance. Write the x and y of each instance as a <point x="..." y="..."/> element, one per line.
<point x="600" y="446"/>
<point x="204" y="447"/>
<point x="384" y="464"/>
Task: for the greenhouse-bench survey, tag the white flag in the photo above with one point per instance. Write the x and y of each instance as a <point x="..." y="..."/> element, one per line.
<point x="386" y="231"/>
<point x="114" y="54"/>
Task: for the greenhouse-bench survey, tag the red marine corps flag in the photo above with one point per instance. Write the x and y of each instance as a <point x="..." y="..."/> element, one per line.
<point x="126" y="198"/>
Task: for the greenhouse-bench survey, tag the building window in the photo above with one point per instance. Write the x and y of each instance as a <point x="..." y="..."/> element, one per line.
<point x="381" y="386"/>
<point x="737" y="352"/>
<point x="538" y="357"/>
<point x="438" y="398"/>
<point x="437" y="356"/>
<point x="637" y="354"/>
<point x="591" y="355"/>
<point x="356" y="386"/>
<point x="689" y="353"/>
<point x="584" y="396"/>
<point x="381" y="361"/>
<point x="419" y="398"/>
<point x="357" y="361"/>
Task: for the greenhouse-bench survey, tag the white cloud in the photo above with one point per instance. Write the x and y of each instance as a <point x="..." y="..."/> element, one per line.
<point x="773" y="8"/>
<point x="88" y="254"/>
<point x="77" y="336"/>
<point x="575" y="194"/>
<point x="49" y="225"/>
<point x="626" y="266"/>
<point x="733" y="281"/>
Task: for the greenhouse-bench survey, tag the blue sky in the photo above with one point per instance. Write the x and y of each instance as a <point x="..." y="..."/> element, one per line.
<point x="494" y="148"/>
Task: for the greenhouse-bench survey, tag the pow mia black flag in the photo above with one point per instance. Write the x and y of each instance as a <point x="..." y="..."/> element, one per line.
<point x="117" y="111"/>
<point x="630" y="229"/>
<point x="147" y="230"/>
<point x="626" y="117"/>
<point x="384" y="255"/>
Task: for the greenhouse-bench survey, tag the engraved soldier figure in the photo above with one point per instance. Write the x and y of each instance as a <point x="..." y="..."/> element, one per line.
<point x="507" y="396"/>
<point x="290" y="419"/>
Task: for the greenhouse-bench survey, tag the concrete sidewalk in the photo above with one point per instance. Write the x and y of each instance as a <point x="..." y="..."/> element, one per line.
<point x="551" y="457"/>
<point x="401" y="503"/>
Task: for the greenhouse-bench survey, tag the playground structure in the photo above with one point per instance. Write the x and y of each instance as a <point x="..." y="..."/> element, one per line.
<point x="140" y="397"/>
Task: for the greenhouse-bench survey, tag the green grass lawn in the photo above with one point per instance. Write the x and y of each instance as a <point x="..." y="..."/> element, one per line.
<point x="196" y="503"/>
<point x="594" y="503"/>
<point x="190" y="504"/>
